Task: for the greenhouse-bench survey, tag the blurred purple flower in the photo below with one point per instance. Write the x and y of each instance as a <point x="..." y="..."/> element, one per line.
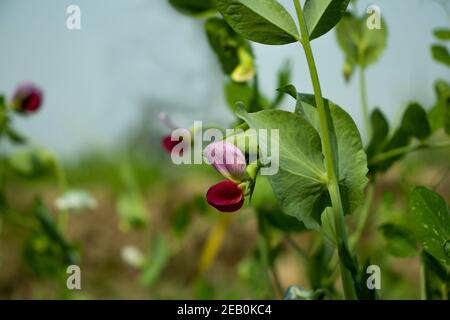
<point x="27" y="98"/>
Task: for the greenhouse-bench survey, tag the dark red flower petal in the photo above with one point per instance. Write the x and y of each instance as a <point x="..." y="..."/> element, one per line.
<point x="27" y="98"/>
<point x="225" y="196"/>
<point x="168" y="144"/>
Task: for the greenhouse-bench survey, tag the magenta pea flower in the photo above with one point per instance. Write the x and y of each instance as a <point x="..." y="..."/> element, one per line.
<point x="167" y="142"/>
<point x="225" y="196"/>
<point x="27" y="98"/>
<point x="227" y="159"/>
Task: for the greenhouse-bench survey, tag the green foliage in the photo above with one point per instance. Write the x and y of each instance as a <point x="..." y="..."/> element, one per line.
<point x="242" y="92"/>
<point x="362" y="46"/>
<point x="442" y="33"/>
<point x="439" y="115"/>
<point x="230" y="48"/>
<point x="400" y="239"/>
<point x="380" y="131"/>
<point x="415" y="122"/>
<point x="437" y="278"/>
<point x="431" y="217"/>
<point x="193" y="7"/>
<point x="263" y="21"/>
<point x="440" y="54"/>
<point x="300" y="184"/>
<point x="156" y="261"/>
<point x="32" y="162"/>
<point x="322" y="16"/>
<point x="46" y="251"/>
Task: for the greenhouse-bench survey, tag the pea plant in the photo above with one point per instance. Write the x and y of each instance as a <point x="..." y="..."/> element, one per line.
<point x="325" y="172"/>
<point x="46" y="250"/>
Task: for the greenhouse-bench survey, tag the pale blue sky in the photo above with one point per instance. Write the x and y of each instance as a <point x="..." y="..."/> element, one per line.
<point x="132" y="53"/>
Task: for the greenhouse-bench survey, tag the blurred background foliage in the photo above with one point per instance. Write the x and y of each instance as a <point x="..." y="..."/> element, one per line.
<point x="150" y="233"/>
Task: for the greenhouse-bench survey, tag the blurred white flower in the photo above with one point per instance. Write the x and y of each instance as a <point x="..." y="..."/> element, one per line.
<point x="76" y="201"/>
<point x="132" y="256"/>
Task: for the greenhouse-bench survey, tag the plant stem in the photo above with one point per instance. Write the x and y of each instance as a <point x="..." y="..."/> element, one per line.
<point x="404" y="150"/>
<point x="364" y="102"/>
<point x="333" y="185"/>
<point x="423" y="279"/>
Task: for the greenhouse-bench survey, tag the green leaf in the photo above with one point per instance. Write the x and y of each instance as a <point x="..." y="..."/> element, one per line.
<point x="300" y="184"/>
<point x="263" y="21"/>
<point x="181" y="218"/>
<point x="322" y="16"/>
<point x="281" y="221"/>
<point x="436" y="278"/>
<point x="400" y="240"/>
<point x="440" y="54"/>
<point x="431" y="217"/>
<point x="233" y="51"/>
<point x="225" y="43"/>
<point x="156" y="261"/>
<point x="380" y="129"/>
<point x="32" y="162"/>
<point x="439" y="115"/>
<point x="415" y="122"/>
<point x="362" y="46"/>
<point x="241" y="92"/>
<point x="193" y="7"/>
<point x="442" y="33"/>
<point x="351" y="158"/>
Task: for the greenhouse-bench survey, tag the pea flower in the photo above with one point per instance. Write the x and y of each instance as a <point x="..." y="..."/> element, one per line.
<point x="27" y="98"/>
<point x="227" y="159"/>
<point x="225" y="196"/>
<point x="167" y="142"/>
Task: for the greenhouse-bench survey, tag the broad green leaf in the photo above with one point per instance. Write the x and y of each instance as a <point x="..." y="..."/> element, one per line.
<point x="281" y="221"/>
<point x="321" y="16"/>
<point x="300" y="184"/>
<point x="440" y="53"/>
<point x="263" y="21"/>
<point x="380" y="128"/>
<point x="400" y="240"/>
<point x="415" y="122"/>
<point x="362" y="46"/>
<point x="193" y="7"/>
<point x="351" y="158"/>
<point x="436" y="278"/>
<point x="442" y="33"/>
<point x="431" y="217"/>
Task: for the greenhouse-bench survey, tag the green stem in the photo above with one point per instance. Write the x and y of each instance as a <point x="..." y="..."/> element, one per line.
<point x="404" y="150"/>
<point x="63" y="216"/>
<point x="333" y="185"/>
<point x="364" y="102"/>
<point x="423" y="279"/>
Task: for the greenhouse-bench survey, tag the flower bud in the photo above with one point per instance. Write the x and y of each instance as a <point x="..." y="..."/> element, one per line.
<point x="225" y="196"/>
<point x="227" y="159"/>
<point x="168" y="143"/>
<point x="27" y="98"/>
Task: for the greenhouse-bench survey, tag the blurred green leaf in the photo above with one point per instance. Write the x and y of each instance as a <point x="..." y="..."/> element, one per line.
<point x="46" y="251"/>
<point x="436" y="278"/>
<point x="318" y="268"/>
<point x="440" y="54"/>
<point x="439" y="115"/>
<point x="241" y="92"/>
<point x="442" y="33"/>
<point x="380" y="128"/>
<point x="431" y="217"/>
<point x="322" y="16"/>
<point x="284" y="78"/>
<point x="415" y="122"/>
<point x="14" y="136"/>
<point x="227" y="45"/>
<point x="362" y="46"/>
<point x="281" y="221"/>
<point x="193" y="7"/>
<point x="263" y="21"/>
<point x="32" y="162"/>
<point x="401" y="241"/>
<point x="181" y="218"/>
<point x="156" y="261"/>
